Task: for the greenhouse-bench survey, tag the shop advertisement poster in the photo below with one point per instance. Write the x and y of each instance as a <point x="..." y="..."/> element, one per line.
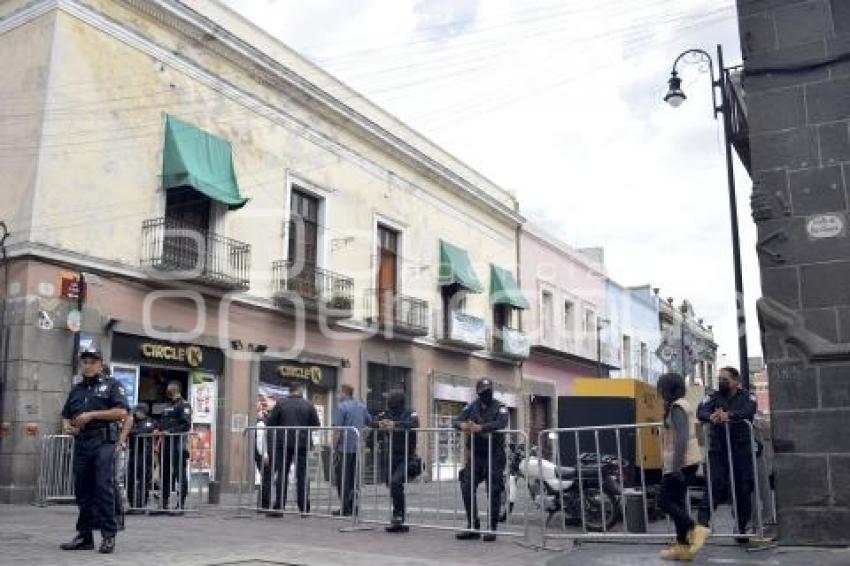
<point x="204" y="393"/>
<point x="204" y="396"/>
<point x="202" y="449"/>
<point x="127" y="377"/>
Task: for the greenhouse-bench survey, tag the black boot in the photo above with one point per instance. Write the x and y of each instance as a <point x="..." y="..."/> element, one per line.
<point x="489" y="537"/>
<point x="469" y="534"/>
<point x="107" y="545"/>
<point x="397" y="525"/>
<point x="79" y="542"/>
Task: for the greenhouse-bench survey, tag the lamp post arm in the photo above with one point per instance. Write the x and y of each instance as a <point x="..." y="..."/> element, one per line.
<point x="715" y="82"/>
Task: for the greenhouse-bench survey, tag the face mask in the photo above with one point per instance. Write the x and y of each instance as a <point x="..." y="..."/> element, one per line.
<point x="486" y="396"/>
<point x="725" y="389"/>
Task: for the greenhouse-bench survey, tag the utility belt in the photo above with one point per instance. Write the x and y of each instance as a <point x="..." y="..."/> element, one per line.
<point x="107" y="434"/>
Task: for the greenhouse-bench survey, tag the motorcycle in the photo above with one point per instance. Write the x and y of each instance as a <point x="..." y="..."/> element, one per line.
<point x="559" y="490"/>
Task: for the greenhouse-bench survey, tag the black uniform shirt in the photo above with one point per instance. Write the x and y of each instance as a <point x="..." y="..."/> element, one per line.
<point x="492" y="418"/>
<point x="741" y="407"/>
<point x="292" y="410"/>
<point x="143" y="426"/>
<point x="97" y="394"/>
<point x="177" y="417"/>
<point x="403" y="420"/>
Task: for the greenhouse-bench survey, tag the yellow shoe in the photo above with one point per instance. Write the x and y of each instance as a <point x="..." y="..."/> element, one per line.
<point x="697" y="537"/>
<point x="677" y="551"/>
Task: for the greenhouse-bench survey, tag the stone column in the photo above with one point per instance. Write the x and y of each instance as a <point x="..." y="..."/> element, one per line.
<point x="797" y="93"/>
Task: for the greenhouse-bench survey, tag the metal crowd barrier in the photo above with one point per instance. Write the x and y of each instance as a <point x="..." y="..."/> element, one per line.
<point x="434" y="493"/>
<point x="600" y="494"/>
<point x="295" y="470"/>
<point x="55" y="483"/>
<point x="158" y="474"/>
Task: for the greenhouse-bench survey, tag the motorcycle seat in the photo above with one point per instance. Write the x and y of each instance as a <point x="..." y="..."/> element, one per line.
<point x="565" y="473"/>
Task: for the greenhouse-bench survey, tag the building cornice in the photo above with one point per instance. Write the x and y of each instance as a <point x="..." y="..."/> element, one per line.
<point x="271" y="72"/>
<point x="557" y="245"/>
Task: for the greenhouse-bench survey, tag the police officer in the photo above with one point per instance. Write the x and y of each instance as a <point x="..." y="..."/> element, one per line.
<point x="140" y="460"/>
<point x="175" y="425"/>
<point x="91" y="414"/>
<point x="399" y="423"/>
<point x="481" y="420"/>
<point x="731" y="406"/>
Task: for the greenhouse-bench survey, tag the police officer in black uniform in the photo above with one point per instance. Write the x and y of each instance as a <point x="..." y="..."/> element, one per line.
<point x="482" y="420"/>
<point x="399" y="443"/>
<point x="175" y="423"/>
<point x="91" y="414"/>
<point x="140" y="460"/>
<point x="731" y="406"/>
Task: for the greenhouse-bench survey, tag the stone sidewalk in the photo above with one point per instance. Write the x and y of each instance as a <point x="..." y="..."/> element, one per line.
<point x="31" y="535"/>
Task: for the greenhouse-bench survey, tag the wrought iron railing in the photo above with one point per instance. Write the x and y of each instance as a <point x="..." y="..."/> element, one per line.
<point x="402" y="313"/>
<point x="178" y="250"/>
<point x="314" y="285"/>
<point x="739" y="133"/>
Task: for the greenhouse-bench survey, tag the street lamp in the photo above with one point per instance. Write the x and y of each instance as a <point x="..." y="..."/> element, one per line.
<point x="675" y="97"/>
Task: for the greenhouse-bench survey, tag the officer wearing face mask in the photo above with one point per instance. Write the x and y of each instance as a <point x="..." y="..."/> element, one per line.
<point x="482" y="420"/>
<point x="730" y="406"/>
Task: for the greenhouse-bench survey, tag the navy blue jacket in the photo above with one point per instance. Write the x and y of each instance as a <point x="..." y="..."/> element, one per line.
<point x="741" y="408"/>
<point x="492" y="418"/>
<point x="405" y="420"/>
<point x="177" y="417"/>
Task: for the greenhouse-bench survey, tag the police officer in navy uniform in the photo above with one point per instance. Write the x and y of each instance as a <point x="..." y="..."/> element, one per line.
<point x="482" y="420"/>
<point x="176" y="422"/>
<point x="732" y="406"/>
<point x="140" y="460"/>
<point x="91" y="414"/>
<point x="399" y="442"/>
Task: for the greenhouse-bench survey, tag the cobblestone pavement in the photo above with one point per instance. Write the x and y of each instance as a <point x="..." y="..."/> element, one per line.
<point x="31" y="535"/>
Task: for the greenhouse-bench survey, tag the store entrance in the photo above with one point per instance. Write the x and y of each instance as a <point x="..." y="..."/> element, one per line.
<point x="448" y="449"/>
<point x="152" y="384"/>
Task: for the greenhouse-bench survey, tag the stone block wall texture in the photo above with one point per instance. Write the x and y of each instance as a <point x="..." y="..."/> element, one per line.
<point x="796" y="86"/>
<point x="38" y="377"/>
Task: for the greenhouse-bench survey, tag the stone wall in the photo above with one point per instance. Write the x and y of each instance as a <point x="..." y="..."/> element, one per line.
<point x="797" y="92"/>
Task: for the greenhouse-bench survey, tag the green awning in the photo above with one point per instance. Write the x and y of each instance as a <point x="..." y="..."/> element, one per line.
<point x="193" y="158"/>
<point x="504" y="290"/>
<point x="456" y="269"/>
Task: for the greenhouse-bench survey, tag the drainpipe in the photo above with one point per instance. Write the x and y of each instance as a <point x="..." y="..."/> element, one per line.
<point x="4" y="332"/>
<point x="525" y="409"/>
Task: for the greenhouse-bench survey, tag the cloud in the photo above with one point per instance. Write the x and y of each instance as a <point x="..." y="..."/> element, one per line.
<point x="561" y="103"/>
<point x="442" y="19"/>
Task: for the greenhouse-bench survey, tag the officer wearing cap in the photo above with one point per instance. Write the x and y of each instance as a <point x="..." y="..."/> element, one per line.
<point x="732" y="407"/>
<point x="482" y="420"/>
<point x="91" y="414"/>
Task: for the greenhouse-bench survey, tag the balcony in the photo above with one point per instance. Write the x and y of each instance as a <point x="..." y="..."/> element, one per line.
<point x="320" y="290"/>
<point x="396" y="314"/>
<point x="180" y="251"/>
<point x="460" y="330"/>
<point x="511" y="343"/>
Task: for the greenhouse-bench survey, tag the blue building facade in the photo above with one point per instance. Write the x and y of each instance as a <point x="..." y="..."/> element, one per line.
<point x="632" y="334"/>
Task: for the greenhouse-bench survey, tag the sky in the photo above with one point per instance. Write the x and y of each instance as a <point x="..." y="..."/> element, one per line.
<point x="561" y="103"/>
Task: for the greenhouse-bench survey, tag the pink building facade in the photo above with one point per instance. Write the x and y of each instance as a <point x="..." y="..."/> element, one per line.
<point x="566" y="289"/>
